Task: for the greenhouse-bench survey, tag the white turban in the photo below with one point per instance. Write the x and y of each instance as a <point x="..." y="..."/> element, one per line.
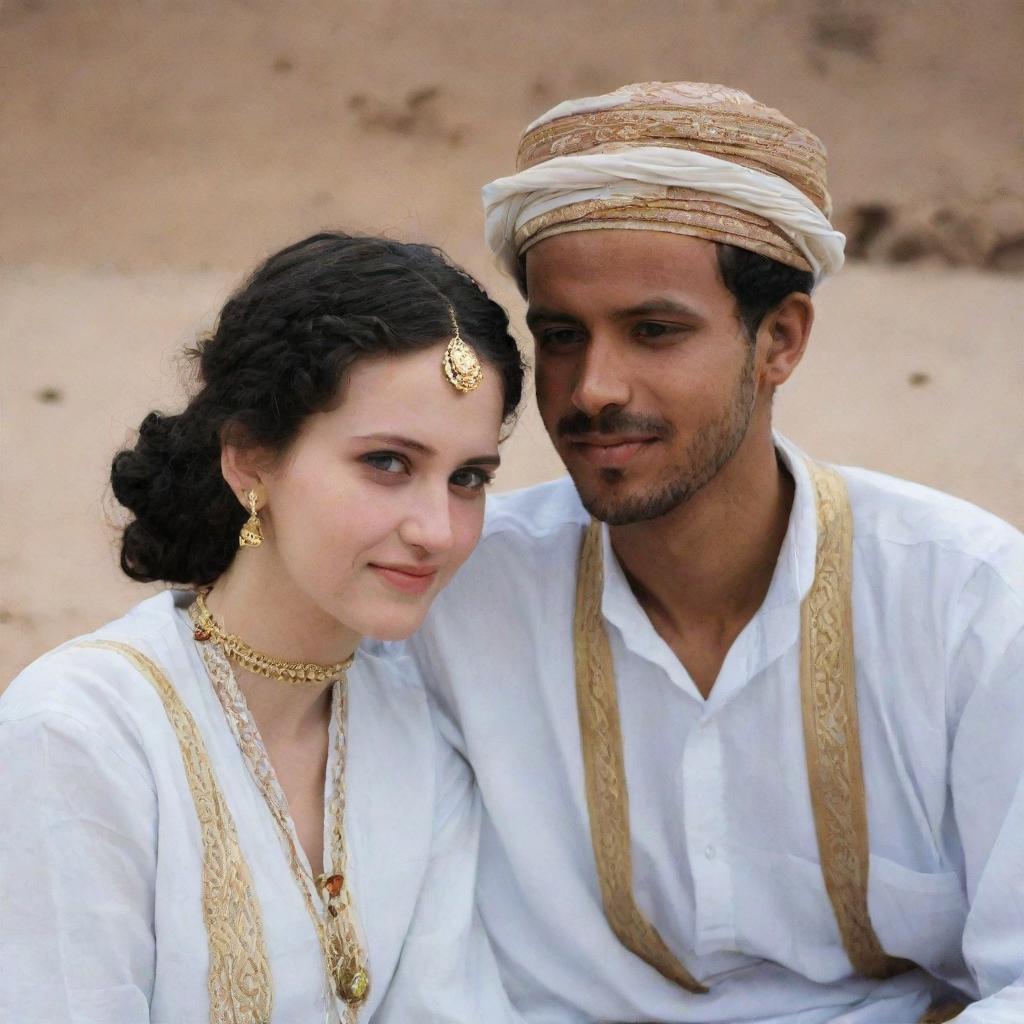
<point x="513" y="202"/>
<point x="684" y="157"/>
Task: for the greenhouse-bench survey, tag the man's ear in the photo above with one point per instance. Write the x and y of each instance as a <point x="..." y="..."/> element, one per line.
<point x="783" y="337"/>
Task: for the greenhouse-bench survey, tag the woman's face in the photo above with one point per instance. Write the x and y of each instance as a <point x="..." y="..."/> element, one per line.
<point x="377" y="502"/>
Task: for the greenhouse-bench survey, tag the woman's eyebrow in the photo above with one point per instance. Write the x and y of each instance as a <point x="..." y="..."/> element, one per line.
<point x="399" y="442"/>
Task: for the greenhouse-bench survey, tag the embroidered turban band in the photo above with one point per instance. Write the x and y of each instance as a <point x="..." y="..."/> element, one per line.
<point x="682" y="157"/>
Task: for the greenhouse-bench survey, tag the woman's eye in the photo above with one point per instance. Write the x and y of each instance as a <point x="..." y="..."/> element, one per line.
<point x="387" y="462"/>
<point x="471" y="478"/>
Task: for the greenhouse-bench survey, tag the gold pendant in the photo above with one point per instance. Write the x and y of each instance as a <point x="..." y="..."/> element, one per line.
<point x="462" y="366"/>
<point x="352" y="983"/>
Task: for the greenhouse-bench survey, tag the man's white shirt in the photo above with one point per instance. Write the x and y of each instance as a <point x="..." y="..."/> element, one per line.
<point x="725" y="857"/>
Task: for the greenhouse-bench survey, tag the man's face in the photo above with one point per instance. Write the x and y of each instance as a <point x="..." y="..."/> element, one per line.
<point x="645" y="376"/>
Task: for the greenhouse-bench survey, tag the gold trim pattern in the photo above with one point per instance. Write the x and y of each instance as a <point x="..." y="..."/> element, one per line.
<point x="605" y="773"/>
<point x="675" y="210"/>
<point x="344" y="962"/>
<point x="239" y="981"/>
<point x="831" y="731"/>
<point x="829" y="711"/>
<point x="765" y="141"/>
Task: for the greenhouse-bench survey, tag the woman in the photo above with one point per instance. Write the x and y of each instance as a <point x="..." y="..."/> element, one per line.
<point x="214" y="808"/>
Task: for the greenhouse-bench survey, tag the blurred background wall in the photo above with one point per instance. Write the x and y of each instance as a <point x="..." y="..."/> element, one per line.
<point x="153" y="151"/>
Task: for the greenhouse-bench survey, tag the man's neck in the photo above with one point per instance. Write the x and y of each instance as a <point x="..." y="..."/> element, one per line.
<point x="702" y="571"/>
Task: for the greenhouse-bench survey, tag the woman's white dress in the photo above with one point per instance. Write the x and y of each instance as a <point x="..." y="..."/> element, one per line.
<point x="101" y="861"/>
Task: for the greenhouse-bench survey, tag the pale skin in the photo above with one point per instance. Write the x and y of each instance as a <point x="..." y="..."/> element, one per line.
<point x="365" y="516"/>
<point x="640" y="322"/>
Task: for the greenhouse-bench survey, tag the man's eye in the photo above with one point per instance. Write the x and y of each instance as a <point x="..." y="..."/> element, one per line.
<point x="471" y="478"/>
<point x="557" y="337"/>
<point x="654" y="329"/>
<point x="387" y="462"/>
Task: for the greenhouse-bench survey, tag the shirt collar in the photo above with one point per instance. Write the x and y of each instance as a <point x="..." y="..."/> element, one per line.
<point x="774" y="627"/>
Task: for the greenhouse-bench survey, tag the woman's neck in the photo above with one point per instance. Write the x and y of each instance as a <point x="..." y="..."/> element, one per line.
<point x="257" y="603"/>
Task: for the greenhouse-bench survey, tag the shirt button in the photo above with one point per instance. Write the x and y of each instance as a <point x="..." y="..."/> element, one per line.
<point x="710" y="852"/>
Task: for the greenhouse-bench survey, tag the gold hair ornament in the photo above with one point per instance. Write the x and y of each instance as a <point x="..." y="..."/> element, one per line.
<point x="461" y="364"/>
<point x="237" y="650"/>
<point x="251" y="535"/>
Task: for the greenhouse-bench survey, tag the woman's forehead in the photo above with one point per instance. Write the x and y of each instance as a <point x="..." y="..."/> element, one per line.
<point x="408" y="396"/>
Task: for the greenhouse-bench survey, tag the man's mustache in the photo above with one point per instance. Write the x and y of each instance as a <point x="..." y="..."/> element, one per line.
<point x="612" y="421"/>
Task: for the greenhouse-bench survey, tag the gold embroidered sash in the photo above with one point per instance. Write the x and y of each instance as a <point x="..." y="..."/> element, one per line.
<point x="835" y="771"/>
<point x="828" y="696"/>
<point x="239" y="982"/>
<point x="605" y="772"/>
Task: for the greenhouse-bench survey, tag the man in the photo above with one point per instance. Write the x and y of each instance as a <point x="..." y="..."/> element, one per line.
<point x="750" y="744"/>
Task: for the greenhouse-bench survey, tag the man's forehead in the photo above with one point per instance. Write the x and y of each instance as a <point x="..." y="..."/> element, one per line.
<point x="621" y="263"/>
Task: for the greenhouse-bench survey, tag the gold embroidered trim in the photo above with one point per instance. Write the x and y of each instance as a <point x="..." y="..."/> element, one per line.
<point x="831" y="732"/>
<point x="829" y="709"/>
<point x="239" y="981"/>
<point x="334" y="922"/>
<point x="773" y="146"/>
<point x="677" y="211"/>
<point x="605" y="773"/>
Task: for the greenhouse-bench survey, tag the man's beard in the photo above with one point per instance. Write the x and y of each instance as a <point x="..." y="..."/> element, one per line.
<point x="707" y="454"/>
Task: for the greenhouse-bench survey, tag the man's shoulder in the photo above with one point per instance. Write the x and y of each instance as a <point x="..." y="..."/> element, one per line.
<point x="892" y="512"/>
<point x="527" y="552"/>
<point x="535" y="513"/>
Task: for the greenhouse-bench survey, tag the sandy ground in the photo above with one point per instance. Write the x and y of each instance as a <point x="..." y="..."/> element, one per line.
<point x="153" y="151"/>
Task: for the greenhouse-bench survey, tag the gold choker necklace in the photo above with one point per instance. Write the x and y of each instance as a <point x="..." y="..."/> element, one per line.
<point x="235" y="648"/>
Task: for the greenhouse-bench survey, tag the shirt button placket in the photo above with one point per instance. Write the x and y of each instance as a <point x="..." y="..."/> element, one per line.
<point x="706" y="839"/>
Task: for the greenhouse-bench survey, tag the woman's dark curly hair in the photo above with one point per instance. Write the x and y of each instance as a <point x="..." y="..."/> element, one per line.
<point x="281" y="348"/>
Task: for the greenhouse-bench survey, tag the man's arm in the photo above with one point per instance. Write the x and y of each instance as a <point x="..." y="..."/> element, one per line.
<point x="447" y="972"/>
<point x="987" y="787"/>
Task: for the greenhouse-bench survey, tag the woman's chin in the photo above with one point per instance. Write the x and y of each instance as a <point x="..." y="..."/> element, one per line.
<point x="395" y="629"/>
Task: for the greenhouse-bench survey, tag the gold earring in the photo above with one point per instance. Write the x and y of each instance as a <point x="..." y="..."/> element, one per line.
<point x="251" y="535"/>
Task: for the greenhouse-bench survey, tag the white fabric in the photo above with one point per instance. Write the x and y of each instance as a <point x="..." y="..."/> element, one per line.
<point x="725" y="857"/>
<point x="511" y="202"/>
<point x="100" y="866"/>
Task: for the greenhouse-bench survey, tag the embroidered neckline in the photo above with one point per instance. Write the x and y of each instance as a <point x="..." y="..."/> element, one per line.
<point x="328" y="897"/>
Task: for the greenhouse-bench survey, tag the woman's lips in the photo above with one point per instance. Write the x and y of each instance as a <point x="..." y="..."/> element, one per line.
<point x="408" y="580"/>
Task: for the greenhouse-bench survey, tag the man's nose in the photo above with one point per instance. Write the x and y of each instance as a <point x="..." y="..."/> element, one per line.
<point x="602" y="379"/>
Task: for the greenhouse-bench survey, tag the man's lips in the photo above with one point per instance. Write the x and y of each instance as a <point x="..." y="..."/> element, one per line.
<point x="410" y="579"/>
<point x="609" y="449"/>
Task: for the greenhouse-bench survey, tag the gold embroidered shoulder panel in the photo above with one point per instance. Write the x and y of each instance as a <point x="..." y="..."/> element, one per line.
<point x="239" y="981"/>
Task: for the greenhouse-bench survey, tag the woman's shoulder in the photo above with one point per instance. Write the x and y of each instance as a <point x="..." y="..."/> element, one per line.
<point x="90" y="680"/>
